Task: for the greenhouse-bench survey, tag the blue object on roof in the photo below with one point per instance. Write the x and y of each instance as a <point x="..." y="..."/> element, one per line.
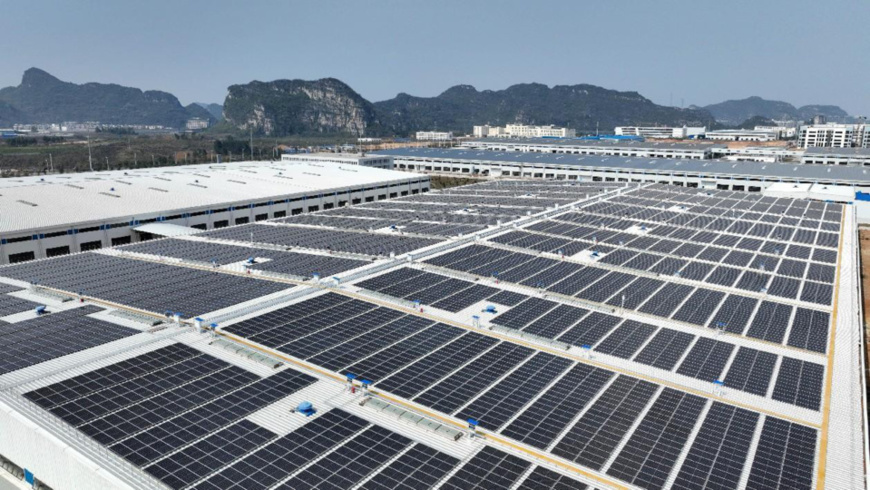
<point x="365" y="382"/>
<point x="305" y="408"/>
<point x="472" y="423"/>
<point x="40" y="310"/>
<point x="719" y="382"/>
<point x="489" y="309"/>
<point x="862" y="196"/>
<point x="350" y="376"/>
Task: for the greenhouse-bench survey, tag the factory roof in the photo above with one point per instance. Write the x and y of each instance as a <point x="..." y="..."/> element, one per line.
<point x="608" y="336"/>
<point x="34" y="203"/>
<point x="606" y="143"/>
<point x="828" y="173"/>
<point x="846" y="152"/>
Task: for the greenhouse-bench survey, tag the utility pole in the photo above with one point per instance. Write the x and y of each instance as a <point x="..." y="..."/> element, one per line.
<point x="252" y="142"/>
<point x="50" y="162"/>
<point x="90" y="160"/>
<point x="107" y="163"/>
<point x="135" y="160"/>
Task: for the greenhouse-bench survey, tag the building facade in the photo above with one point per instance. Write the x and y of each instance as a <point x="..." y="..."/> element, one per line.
<point x="523" y="131"/>
<point x="660" y="132"/>
<point x="833" y="136"/>
<point x="434" y="136"/>
<point x="626" y="148"/>
<point x="339" y="158"/>
<point x="741" y="135"/>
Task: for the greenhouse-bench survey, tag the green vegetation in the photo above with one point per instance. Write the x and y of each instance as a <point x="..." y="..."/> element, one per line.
<point x="737" y="111"/>
<point x="45" y="99"/>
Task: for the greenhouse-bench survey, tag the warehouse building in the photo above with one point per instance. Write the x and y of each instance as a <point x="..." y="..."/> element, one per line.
<point x="742" y="135"/>
<point x="836" y="156"/>
<point x="62" y="214"/>
<point x="610" y="147"/>
<point x="605" y="336"/>
<point x="661" y="132"/>
<point x="339" y="158"/>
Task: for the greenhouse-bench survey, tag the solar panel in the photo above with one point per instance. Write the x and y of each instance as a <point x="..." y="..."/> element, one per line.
<point x="654" y="446"/>
<point x="420" y="467"/>
<point x="785" y="456"/>
<point x="751" y="371"/>
<point x="278" y="460"/>
<point x="48" y="337"/>
<point x="799" y="383"/>
<point x="543" y="479"/>
<point x="665" y="349"/>
<point x="542" y="421"/>
<point x="720" y="449"/>
<point x="596" y="434"/>
<point x="466" y="383"/>
<point x="420" y="375"/>
<point x="706" y="360"/>
<point x="489" y="469"/>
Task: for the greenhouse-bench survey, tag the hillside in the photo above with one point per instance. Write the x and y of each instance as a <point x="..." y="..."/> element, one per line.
<point x="581" y="107"/>
<point x="42" y="98"/>
<point x="216" y="110"/>
<point x="285" y="107"/>
<point x="736" y="111"/>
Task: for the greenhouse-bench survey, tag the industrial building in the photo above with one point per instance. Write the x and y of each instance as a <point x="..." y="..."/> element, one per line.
<point x="836" y="156"/>
<point x="523" y="131"/>
<point x="661" y="132"/>
<point x="510" y="335"/>
<point x="339" y="158"/>
<point x="695" y="151"/>
<point x="839" y="183"/>
<point x="741" y="135"/>
<point x="68" y="213"/>
<point x="833" y="135"/>
<point x="434" y="136"/>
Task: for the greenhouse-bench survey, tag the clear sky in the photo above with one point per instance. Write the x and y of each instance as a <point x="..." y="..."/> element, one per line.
<point x="671" y="51"/>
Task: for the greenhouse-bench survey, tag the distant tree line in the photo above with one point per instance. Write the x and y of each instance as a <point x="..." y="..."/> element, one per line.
<point x="231" y="146"/>
<point x="22" y="141"/>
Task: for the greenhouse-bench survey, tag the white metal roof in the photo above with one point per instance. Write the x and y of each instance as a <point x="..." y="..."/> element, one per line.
<point x="166" y="229"/>
<point x="34" y="203"/>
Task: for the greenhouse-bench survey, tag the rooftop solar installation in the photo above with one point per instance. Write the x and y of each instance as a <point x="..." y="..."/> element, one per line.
<point x="503" y="335"/>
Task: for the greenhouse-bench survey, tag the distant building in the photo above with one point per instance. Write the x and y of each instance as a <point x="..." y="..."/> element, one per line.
<point x="196" y="124"/>
<point x="434" y="136"/>
<point x="660" y="132"/>
<point x="819" y="119"/>
<point x="368" y="140"/>
<point x="782" y="132"/>
<point x="606" y="147"/>
<point x="340" y="158"/>
<point x="523" y="131"/>
<point x="836" y="156"/>
<point x="741" y="135"/>
<point x="833" y="135"/>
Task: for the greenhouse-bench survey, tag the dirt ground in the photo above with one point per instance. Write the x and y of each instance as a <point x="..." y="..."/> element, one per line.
<point x="864" y="240"/>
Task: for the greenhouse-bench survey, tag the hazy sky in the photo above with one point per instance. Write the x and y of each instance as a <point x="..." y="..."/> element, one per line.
<point x="696" y="51"/>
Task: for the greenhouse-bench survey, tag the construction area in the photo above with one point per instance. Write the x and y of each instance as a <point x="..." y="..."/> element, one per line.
<point x="507" y="335"/>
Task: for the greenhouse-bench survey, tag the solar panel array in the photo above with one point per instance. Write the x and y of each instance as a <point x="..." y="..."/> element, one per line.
<point x="655" y="289"/>
<point x="55" y="335"/>
<point x="148" y="286"/>
<point x="298" y="264"/>
<point x="374" y="244"/>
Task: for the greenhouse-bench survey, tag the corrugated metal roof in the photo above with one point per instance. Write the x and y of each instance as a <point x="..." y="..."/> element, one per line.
<point x="35" y="203"/>
<point x="854" y="175"/>
<point x="607" y="143"/>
